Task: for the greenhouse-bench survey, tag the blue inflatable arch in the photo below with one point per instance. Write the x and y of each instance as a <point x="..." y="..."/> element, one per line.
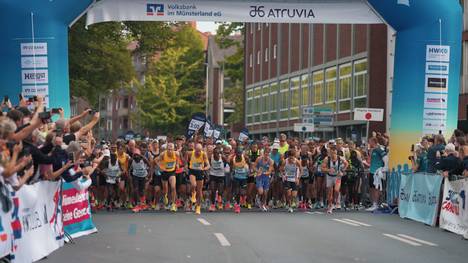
<point x="428" y="35"/>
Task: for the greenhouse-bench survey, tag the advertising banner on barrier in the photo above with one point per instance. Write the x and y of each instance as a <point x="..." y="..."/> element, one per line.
<point x="36" y="221"/>
<point x="454" y="210"/>
<point x="77" y="220"/>
<point x="5" y="222"/>
<point x="419" y="197"/>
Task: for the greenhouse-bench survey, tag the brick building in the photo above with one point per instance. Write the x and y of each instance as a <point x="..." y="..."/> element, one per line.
<point x="289" y="66"/>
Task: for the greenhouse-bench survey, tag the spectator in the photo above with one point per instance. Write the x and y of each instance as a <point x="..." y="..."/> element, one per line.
<point x="437" y="147"/>
<point x="448" y="162"/>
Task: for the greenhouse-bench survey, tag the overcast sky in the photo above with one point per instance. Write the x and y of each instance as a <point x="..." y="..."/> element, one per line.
<point x="207" y="27"/>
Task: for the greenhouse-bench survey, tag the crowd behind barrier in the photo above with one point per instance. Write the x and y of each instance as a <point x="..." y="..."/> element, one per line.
<point x="54" y="174"/>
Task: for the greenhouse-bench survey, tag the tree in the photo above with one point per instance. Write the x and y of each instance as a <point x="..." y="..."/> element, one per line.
<point x="99" y="59"/>
<point x="166" y="100"/>
<point x="233" y="68"/>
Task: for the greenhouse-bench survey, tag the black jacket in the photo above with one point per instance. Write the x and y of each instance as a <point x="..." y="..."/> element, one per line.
<point x="451" y="164"/>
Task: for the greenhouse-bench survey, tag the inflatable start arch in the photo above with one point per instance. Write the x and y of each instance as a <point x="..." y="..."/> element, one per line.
<point x="427" y="58"/>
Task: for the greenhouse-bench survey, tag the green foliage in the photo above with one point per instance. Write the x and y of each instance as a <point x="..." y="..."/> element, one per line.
<point x="168" y="99"/>
<point x="99" y="59"/>
<point x="151" y="36"/>
<point x="236" y="96"/>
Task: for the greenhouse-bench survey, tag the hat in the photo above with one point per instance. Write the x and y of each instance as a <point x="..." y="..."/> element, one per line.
<point x="219" y="142"/>
<point x="275" y="146"/>
<point x="106" y="153"/>
<point x="450" y="147"/>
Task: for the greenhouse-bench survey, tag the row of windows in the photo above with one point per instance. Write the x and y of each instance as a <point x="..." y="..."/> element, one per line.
<point x="266" y="56"/>
<point x="340" y="87"/>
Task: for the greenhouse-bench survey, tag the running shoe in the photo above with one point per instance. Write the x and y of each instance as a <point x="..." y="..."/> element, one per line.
<point x="130" y="205"/>
<point x="294" y="204"/>
<point x="264" y="208"/>
<point x="136" y="209"/>
<point x="270" y="203"/>
<point x="290" y="210"/>
<point x="194" y="198"/>
<point x="212" y="208"/>
<point x="242" y="201"/>
<point x="338" y="206"/>
<point x="249" y="206"/>
<point x="321" y="204"/>
<point x="174" y="208"/>
<point x="227" y="206"/>
<point x="188" y="207"/>
<point x="178" y="203"/>
<point x="144" y="206"/>
<point x="237" y="208"/>
<point x="330" y="210"/>
<point x="220" y="206"/>
<point x="153" y="206"/>
<point x="372" y="208"/>
<point x="198" y="210"/>
<point x="166" y="200"/>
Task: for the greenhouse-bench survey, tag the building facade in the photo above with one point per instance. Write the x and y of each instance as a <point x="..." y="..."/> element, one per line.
<point x="292" y="66"/>
<point x="217" y="83"/>
<point x="463" y="100"/>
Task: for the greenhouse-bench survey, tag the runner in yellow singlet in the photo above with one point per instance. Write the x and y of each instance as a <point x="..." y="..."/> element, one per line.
<point x="168" y="164"/>
<point x="198" y="164"/>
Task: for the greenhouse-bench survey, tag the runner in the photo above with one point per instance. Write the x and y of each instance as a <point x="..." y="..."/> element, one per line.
<point x="320" y="183"/>
<point x="264" y="166"/>
<point x="125" y="184"/>
<point x="333" y="166"/>
<point x="378" y="161"/>
<point x="304" y="180"/>
<point x="112" y="172"/>
<point x="217" y="179"/>
<point x="292" y="171"/>
<point x="253" y="155"/>
<point x="168" y="163"/>
<point x="241" y="171"/>
<point x="198" y="165"/>
<point x="139" y="171"/>
<point x="277" y="181"/>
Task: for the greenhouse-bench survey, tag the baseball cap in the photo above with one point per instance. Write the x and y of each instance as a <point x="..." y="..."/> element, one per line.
<point x="219" y="142"/>
<point x="275" y="146"/>
<point x="106" y="153"/>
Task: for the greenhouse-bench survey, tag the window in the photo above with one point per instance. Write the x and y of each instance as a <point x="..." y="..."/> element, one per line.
<point x="284" y="99"/>
<point x="295" y="98"/>
<point x="305" y="89"/>
<point x="251" y="28"/>
<point x="257" y="104"/>
<point x="125" y="123"/>
<point x="259" y="54"/>
<point x="273" y="101"/>
<point x="360" y="84"/>
<point x="266" y="55"/>
<point x="125" y="102"/>
<point x="345" y="87"/>
<point x="318" y="87"/>
<point x="259" y="26"/>
<point x="249" y="109"/>
<point x="267" y="24"/>
<point x="330" y="87"/>
<point x="266" y="103"/>
<point x="275" y="48"/>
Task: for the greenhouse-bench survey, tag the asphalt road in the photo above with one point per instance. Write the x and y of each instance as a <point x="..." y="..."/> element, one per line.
<point x="261" y="237"/>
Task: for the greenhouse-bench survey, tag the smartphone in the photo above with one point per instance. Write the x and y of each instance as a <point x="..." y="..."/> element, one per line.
<point x="55" y="111"/>
<point x="45" y="115"/>
<point x="412" y="147"/>
<point x="71" y="157"/>
<point x="30" y="100"/>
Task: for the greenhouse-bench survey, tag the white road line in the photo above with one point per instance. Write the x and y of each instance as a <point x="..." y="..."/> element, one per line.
<point x="345" y="222"/>
<point x="356" y="222"/>
<point x="403" y="240"/>
<point x="203" y="222"/>
<point x="418" y="240"/>
<point x="315" y="213"/>
<point x="222" y="240"/>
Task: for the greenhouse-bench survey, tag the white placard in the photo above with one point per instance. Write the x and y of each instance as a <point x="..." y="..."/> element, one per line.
<point x="34" y="62"/>
<point x="438" y="53"/>
<point x="431" y="114"/>
<point x="437" y="83"/>
<point x="368" y="114"/>
<point x="437" y="68"/>
<point x="434" y="125"/>
<point x="30" y="49"/>
<point x="320" y="11"/>
<point x="303" y="127"/>
<point x="41" y="90"/>
<point x="38" y="76"/>
<point x="435" y="101"/>
<point x="454" y="210"/>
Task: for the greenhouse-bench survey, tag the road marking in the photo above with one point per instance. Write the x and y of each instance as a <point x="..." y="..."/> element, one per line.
<point x="345" y="222"/>
<point x="418" y="240"/>
<point x="403" y="240"/>
<point x="222" y="240"/>
<point x="315" y="213"/>
<point x="203" y="222"/>
<point x="356" y="222"/>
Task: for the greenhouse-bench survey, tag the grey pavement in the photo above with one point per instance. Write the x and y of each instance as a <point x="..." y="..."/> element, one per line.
<point x="261" y="237"/>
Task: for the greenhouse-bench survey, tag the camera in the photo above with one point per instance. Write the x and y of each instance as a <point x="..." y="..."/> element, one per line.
<point x="92" y="112"/>
<point x="45" y="116"/>
<point x="55" y="111"/>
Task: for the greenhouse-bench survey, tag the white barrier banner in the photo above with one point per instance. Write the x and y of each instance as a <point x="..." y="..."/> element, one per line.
<point x="36" y="221"/>
<point x="5" y="224"/>
<point x="314" y="11"/>
<point x="454" y="211"/>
